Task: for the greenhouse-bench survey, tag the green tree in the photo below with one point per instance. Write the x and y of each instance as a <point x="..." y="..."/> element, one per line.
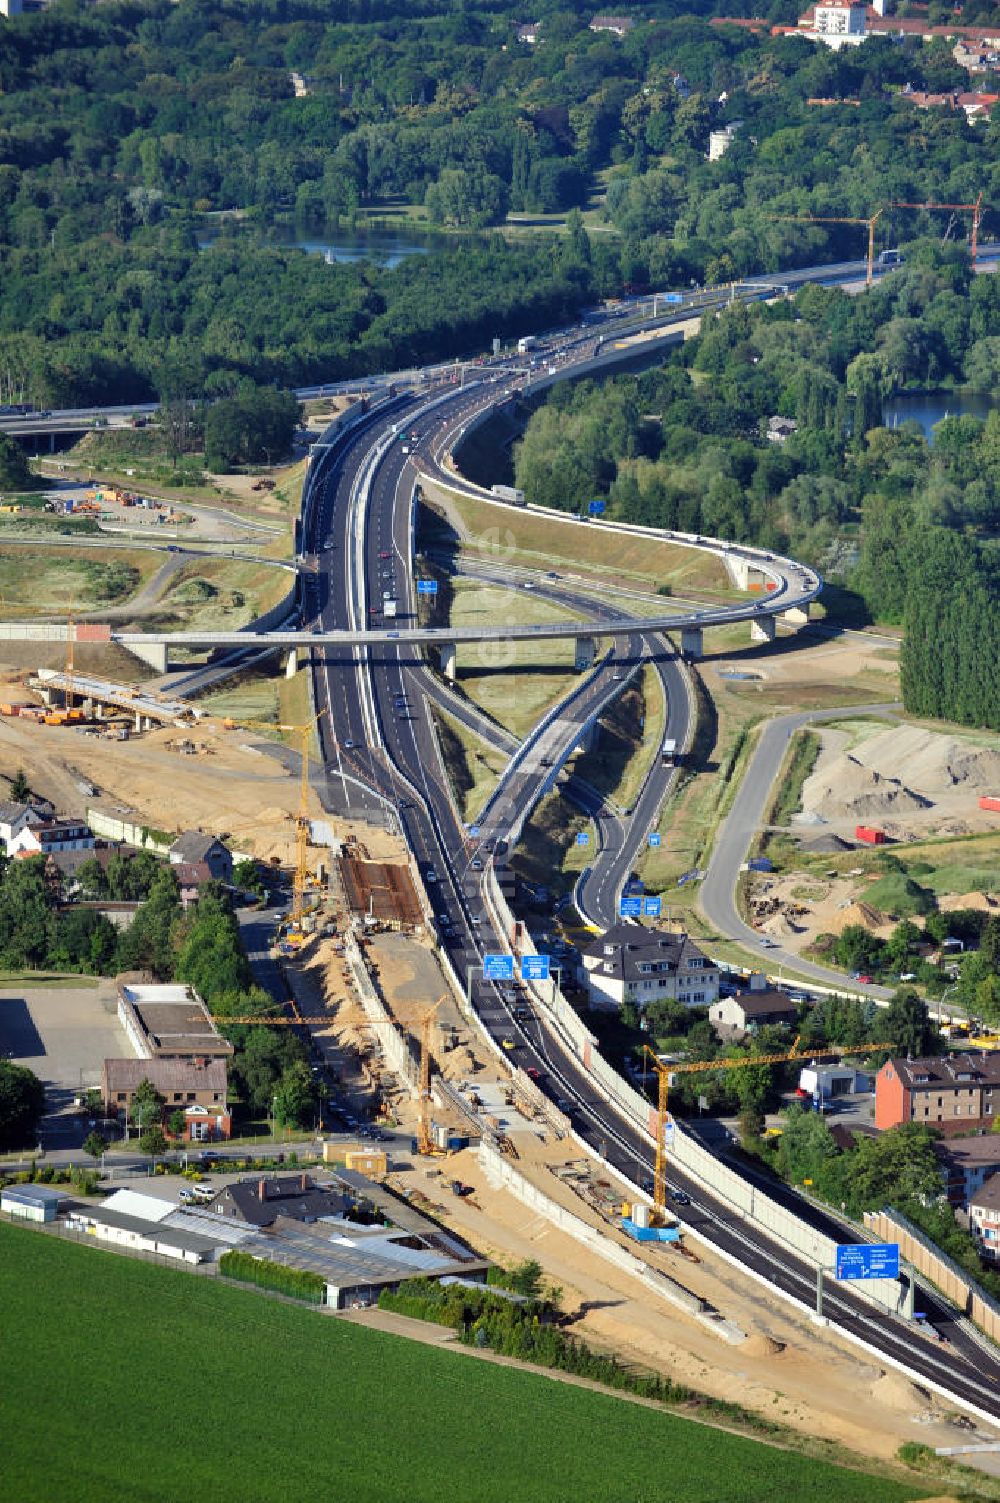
<point x="907" y="1026"/>
<point x="20" y="788"/>
<point x="177" y="1124"/>
<point x="95" y="1143"/>
<point x="22" y="1101"/>
<point x="295" y="1097"/>
<point x="147" y="1106"/>
<point x="153" y="1141"/>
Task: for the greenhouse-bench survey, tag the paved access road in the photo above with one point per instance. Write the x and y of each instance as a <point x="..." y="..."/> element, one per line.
<point x="717" y="897"/>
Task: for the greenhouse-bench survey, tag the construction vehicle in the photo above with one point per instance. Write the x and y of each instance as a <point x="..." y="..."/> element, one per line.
<point x="664" y="1073"/>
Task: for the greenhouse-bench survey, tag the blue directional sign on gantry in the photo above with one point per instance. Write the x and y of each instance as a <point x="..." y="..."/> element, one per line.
<point x="498" y="967"/>
<point x="535" y="967"/>
<point x="427" y="586"/>
<point x="868" y="1260"/>
<point x="630" y="908"/>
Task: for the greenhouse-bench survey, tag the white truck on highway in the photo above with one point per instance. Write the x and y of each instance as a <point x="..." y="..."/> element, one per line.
<point x="669" y="754"/>
<point x="508" y="493"/>
<point x="388" y="608"/>
<point x="525" y="343"/>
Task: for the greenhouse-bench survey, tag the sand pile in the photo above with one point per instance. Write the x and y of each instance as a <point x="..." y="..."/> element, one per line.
<point x="759" y="1345"/>
<point x="845" y="789"/>
<point x="985" y="902"/>
<point x="933" y="763"/>
<point x="856" y="913"/>
<point x="779" y="927"/>
<point x="899" y="1392"/>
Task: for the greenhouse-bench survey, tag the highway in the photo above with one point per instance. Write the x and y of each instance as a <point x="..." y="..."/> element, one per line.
<point x="380" y="733"/>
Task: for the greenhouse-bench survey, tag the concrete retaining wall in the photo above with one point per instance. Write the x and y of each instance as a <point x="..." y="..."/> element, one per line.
<point x="500" y="1171"/>
<point x="395" y="1045"/>
<point x="110" y="828"/>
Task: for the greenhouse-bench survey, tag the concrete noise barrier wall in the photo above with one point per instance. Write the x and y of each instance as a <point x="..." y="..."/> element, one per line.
<point x="959" y="1286"/>
<point x="394" y="1044"/>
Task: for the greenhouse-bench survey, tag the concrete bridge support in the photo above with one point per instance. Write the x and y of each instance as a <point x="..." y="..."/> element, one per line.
<point x="692" y="642"/>
<point x="763" y="630"/>
<point x="798" y="615"/>
<point x="292" y="665"/>
<point x="586" y="652"/>
<point x="153" y="653"/>
<point x="588" y="739"/>
<point x="448" y="655"/>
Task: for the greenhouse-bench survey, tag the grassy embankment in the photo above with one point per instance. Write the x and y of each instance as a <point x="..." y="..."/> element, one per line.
<point x="58" y="581"/>
<point x="385" y="1418"/>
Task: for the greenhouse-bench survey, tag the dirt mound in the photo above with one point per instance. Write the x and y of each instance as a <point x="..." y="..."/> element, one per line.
<point x="846" y="789"/>
<point x="779" y="927"/>
<point x="986" y="902"/>
<point x="899" y="1392"/>
<point x="759" y="1345"/>
<point x="933" y="763"/>
<point x="856" y="913"/>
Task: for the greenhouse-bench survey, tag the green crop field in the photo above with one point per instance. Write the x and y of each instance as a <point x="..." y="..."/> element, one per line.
<point x="126" y="1380"/>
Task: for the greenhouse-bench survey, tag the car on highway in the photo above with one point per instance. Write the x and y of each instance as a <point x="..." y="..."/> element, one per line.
<point x="348" y="745"/>
<point x="392" y="634"/>
<point x="476" y="864"/>
<point x="551" y="574"/>
<point x="508" y="1044"/>
<point x="529" y="584"/>
<point x="385" y="554"/>
<point x="533" y="1071"/>
<point x="430" y="875"/>
<point x="680" y="1197"/>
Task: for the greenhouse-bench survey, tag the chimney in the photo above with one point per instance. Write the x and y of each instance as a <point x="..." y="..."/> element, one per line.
<point x="262" y="1189"/>
<point x="303" y="1181"/>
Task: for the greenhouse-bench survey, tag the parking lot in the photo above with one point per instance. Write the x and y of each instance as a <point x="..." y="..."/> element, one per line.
<point x="63" y="1034"/>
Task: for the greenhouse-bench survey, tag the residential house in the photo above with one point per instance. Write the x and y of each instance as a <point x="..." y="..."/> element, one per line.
<point x="633" y="964"/>
<point x="51" y="835"/>
<point x="955" y="1091"/>
<point x="195" y="846"/>
<point x="719" y="141"/>
<point x="261" y="1199"/>
<point x="758" y="1006"/>
<point x="984" y="1218"/>
<point x="191" y="878"/>
<point x="967" y="1163"/>
<point x="620" y="26"/>
<point x="529" y="33"/>
<point x="196" y="1087"/>
<point x="780" y="428"/>
<point x="15" y="817"/>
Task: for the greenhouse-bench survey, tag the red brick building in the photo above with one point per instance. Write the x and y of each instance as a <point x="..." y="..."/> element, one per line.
<point x="946" y="1091"/>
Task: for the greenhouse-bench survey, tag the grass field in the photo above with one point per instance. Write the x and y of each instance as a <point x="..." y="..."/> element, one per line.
<point x="62" y="579"/>
<point x="121" y="1377"/>
<point x="516" y="688"/>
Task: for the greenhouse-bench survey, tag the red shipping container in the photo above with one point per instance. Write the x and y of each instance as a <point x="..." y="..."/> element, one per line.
<point x="990" y="801"/>
<point x="869" y="835"/>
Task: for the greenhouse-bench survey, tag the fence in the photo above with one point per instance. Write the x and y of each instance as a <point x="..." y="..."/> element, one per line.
<point x="959" y="1286"/>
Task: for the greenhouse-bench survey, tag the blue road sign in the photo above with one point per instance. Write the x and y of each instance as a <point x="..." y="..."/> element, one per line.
<point x="535" y="967"/>
<point x="868" y="1260"/>
<point x="674" y="297"/>
<point x="630" y="908"/>
<point x="498" y="967"/>
<point x="597" y="508"/>
<point x="651" y="907"/>
<point x="427" y="586"/>
<point x="475" y="831"/>
<point x="582" y="838"/>
<point x="655" y="840"/>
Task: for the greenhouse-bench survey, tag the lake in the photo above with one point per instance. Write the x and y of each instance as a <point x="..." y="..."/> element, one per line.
<point x="929" y="407"/>
<point x="382" y="247"/>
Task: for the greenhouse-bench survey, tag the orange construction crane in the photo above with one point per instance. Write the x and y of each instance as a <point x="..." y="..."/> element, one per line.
<point x="665" y="1071"/>
<point x="836" y="219"/>
<point x="302" y="817"/>
<point x="976" y="210"/>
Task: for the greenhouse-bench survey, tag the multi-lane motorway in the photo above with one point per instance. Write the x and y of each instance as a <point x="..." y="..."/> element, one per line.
<point x="381" y="753"/>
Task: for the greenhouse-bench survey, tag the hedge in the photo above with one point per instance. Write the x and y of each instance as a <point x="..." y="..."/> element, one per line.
<point x="298" y="1283"/>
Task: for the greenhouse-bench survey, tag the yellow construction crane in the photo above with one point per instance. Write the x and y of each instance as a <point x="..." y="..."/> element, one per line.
<point x="302" y="817"/>
<point x="836" y="219"/>
<point x="68" y="695"/>
<point x="665" y="1071"/>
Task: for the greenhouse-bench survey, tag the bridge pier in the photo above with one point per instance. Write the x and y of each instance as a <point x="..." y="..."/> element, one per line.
<point x="692" y="641"/>
<point x="798" y="615"/>
<point x="292" y="665"/>
<point x="448" y="655"/>
<point x="586" y="652"/>
<point x="587" y="740"/>
<point x="153" y="653"/>
<point x="764" y="629"/>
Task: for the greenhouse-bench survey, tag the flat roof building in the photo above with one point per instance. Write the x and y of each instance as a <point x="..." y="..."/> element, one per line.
<point x="31" y="1202"/>
<point x="168" y="1022"/>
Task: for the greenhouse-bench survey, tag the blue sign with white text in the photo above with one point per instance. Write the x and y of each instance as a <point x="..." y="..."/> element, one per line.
<point x="582" y="838"/>
<point x="475" y="831"/>
<point x="596" y="508"/>
<point x="651" y="907"/>
<point x="427" y="586"/>
<point x="498" y="967"/>
<point x="674" y="297"/>
<point x="654" y="841"/>
<point x="868" y="1260"/>
<point x="630" y="908"/>
<point x="535" y="967"/>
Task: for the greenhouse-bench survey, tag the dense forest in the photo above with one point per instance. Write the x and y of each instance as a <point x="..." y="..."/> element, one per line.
<point x="133" y="133"/>
<point x="906" y="524"/>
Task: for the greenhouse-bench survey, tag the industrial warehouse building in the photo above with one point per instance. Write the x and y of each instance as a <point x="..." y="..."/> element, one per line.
<point x="31" y="1202"/>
